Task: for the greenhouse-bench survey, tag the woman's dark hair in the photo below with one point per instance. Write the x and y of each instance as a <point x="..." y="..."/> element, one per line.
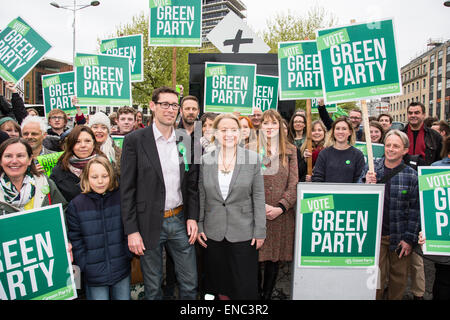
<point x="291" y="130"/>
<point x="14" y="140"/>
<point x="70" y="142"/>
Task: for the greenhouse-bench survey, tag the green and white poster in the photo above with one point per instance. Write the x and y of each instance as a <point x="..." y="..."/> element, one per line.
<point x="359" y="61"/>
<point x="48" y="161"/>
<point x="118" y="140"/>
<point x="34" y="261"/>
<point x="434" y="193"/>
<point x="299" y="70"/>
<point x="229" y="87"/>
<point x="377" y="149"/>
<point x="338" y="227"/>
<point x="21" y="48"/>
<point x="58" y="90"/>
<point x="128" y="46"/>
<point x="331" y="108"/>
<point x="102" y="80"/>
<point x="266" y="92"/>
<point x="175" y="23"/>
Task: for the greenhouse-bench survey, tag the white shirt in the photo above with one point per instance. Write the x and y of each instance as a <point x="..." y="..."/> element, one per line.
<point x="170" y="165"/>
<point x="224" y="183"/>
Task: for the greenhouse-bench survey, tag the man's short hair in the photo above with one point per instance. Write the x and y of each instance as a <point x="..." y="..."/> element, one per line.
<point x="443" y="126"/>
<point x="55" y="112"/>
<point x="208" y="115"/>
<point x="399" y="134"/>
<point x="194" y="98"/>
<point x="415" y="104"/>
<point x="356" y="110"/>
<point x="158" y="91"/>
<point x="126" y="110"/>
<point x="385" y="115"/>
<point x="34" y="119"/>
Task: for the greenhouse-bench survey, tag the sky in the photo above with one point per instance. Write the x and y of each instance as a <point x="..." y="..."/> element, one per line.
<point x="415" y="21"/>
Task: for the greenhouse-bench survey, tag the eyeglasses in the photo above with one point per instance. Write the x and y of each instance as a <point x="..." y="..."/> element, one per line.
<point x="56" y="118"/>
<point x="166" y="105"/>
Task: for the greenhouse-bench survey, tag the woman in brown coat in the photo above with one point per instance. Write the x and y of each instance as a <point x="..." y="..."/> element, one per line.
<point x="280" y="185"/>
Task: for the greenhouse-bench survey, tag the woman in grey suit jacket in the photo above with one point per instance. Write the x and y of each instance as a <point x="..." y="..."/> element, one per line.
<point x="232" y="222"/>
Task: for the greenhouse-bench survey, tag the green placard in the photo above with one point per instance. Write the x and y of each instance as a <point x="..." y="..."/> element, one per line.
<point x="103" y="80"/>
<point x="299" y="70"/>
<point x="21" y="48"/>
<point x="48" y="161"/>
<point x="434" y="183"/>
<point x="175" y="23"/>
<point x="229" y="87"/>
<point x="128" y="46"/>
<point x="57" y="91"/>
<point x="34" y="262"/>
<point x="377" y="149"/>
<point x="359" y="61"/>
<point x="331" y="108"/>
<point x="118" y="140"/>
<point x="266" y="92"/>
<point x="339" y="229"/>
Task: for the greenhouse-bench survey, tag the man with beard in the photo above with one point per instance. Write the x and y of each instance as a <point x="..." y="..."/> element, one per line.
<point x="34" y="131"/>
<point x="189" y="112"/>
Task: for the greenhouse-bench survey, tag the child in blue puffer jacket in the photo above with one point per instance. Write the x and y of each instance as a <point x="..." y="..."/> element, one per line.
<point x="95" y="230"/>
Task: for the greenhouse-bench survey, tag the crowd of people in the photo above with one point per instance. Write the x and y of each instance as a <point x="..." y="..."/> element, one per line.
<point x="217" y="195"/>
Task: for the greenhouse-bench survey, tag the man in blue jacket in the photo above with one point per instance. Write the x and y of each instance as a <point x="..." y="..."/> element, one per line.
<point x="401" y="218"/>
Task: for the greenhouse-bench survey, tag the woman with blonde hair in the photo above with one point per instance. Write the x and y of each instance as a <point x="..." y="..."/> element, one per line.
<point x="232" y="224"/>
<point x="280" y="186"/>
<point x="340" y="161"/>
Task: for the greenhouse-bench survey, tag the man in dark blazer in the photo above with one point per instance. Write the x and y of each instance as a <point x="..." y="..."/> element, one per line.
<point x="159" y="197"/>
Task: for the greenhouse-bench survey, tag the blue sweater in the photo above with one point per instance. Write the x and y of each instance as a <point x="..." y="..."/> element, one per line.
<point x="99" y="244"/>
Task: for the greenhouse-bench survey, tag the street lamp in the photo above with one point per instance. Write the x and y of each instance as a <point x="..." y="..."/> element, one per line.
<point x="74" y="9"/>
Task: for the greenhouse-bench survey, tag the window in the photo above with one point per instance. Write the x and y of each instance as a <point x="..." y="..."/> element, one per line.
<point x="27" y="90"/>
<point x="440" y="54"/>
<point x="423" y="99"/>
<point x="424" y="83"/>
<point x="417" y="85"/>
<point x="431" y="73"/>
<point x="439" y="72"/>
<point x="448" y="50"/>
<point x="439" y="86"/>
<point x="432" y="58"/>
<point x="447" y="83"/>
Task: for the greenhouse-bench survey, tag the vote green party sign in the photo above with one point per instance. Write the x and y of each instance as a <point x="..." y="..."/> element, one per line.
<point x="299" y="70"/>
<point x="359" y="61"/>
<point x="21" y="48"/>
<point x="434" y="193"/>
<point x="175" y="23"/>
<point x="266" y="92"/>
<point x="128" y="46"/>
<point x="339" y="225"/>
<point x="58" y="90"/>
<point x="103" y="80"/>
<point x="229" y="87"/>
<point x="34" y="262"/>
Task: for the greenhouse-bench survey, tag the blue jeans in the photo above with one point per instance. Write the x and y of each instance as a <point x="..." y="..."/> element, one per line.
<point x="118" y="291"/>
<point x="174" y="237"/>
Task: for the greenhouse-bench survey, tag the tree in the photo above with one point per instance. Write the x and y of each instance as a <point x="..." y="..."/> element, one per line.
<point x="291" y="27"/>
<point x="157" y="62"/>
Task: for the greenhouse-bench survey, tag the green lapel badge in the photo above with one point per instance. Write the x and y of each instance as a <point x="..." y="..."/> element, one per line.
<point x="182" y="150"/>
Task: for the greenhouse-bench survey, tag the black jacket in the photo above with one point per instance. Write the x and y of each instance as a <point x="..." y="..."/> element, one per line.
<point x="142" y="187"/>
<point x="433" y="145"/>
<point x="66" y="181"/>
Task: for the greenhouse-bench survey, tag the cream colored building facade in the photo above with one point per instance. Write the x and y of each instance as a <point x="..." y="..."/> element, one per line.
<point x="425" y="79"/>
